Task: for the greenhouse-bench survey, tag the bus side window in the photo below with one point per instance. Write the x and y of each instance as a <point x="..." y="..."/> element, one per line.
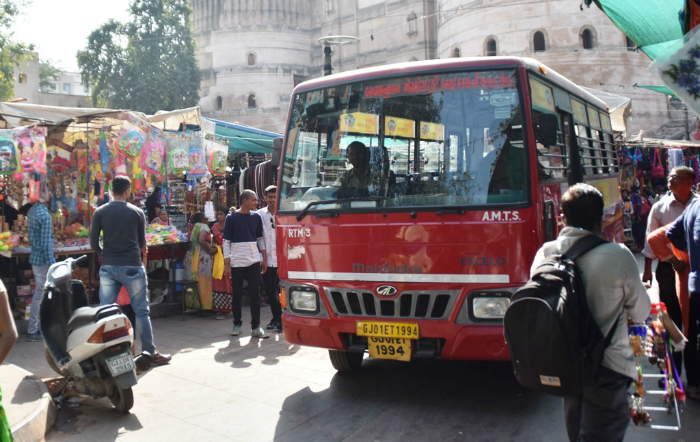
<point x="552" y="160"/>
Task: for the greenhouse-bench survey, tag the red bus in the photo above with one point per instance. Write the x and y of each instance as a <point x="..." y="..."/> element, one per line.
<point x="413" y="197"/>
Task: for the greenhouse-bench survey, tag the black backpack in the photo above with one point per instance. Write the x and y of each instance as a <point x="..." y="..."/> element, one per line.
<point x="555" y="345"/>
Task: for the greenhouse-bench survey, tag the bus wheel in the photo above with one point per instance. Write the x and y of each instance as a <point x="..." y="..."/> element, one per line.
<point x="345" y="361"/>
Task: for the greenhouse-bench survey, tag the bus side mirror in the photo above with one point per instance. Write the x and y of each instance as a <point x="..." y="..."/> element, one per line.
<point x="276" y="152"/>
<point x="549" y="124"/>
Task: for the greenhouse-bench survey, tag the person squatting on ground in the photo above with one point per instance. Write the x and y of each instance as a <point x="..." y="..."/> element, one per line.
<point x="123" y="226"/>
<point x="613" y="291"/>
<point x="245" y="258"/>
<point x="685" y="235"/>
<point x="665" y="211"/>
<point x="270" y="278"/>
<point x="8" y="337"/>
<point x="41" y="257"/>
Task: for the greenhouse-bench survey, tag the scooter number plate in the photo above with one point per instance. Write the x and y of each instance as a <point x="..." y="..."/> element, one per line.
<point x="121" y="364"/>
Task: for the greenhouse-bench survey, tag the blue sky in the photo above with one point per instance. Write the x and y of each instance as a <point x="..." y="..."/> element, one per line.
<point x="59" y="28"/>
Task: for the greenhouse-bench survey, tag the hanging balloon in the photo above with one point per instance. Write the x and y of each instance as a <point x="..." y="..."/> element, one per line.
<point x="160" y="178"/>
<point x="19" y="176"/>
<point x="148" y="181"/>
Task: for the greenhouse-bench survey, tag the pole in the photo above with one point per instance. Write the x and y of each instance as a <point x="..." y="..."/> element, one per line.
<point x="327" y="67"/>
<point x="685" y="122"/>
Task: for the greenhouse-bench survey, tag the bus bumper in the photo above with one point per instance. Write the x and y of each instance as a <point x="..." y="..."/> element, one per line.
<point x="461" y="342"/>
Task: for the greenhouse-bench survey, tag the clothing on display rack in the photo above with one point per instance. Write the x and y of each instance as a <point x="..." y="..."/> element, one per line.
<point x="674" y="159"/>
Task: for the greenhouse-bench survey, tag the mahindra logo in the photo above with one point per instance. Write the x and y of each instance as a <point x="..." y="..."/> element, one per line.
<point x="386" y="290"/>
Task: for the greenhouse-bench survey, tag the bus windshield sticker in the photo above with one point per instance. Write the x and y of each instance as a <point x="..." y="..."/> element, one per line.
<point x="399" y="127"/>
<point x="360" y="123"/>
<point x="432" y="131"/>
<point x="542" y="97"/>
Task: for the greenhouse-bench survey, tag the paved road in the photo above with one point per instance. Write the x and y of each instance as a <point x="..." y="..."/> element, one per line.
<point x="222" y="388"/>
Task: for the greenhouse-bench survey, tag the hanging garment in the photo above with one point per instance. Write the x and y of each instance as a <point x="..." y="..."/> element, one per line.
<point x="675" y="159"/>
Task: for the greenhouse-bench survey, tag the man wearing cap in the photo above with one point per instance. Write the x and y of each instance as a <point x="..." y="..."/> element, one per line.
<point x="41" y="257"/>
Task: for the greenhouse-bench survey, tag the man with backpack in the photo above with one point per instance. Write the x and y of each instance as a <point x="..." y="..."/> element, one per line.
<point x="613" y="291"/>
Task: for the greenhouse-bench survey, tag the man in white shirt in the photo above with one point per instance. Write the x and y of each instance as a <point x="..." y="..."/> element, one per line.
<point x="270" y="279"/>
<point x="613" y="292"/>
<point x="680" y="182"/>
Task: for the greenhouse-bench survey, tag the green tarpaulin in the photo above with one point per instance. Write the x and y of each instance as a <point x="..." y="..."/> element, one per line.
<point x="653" y="25"/>
<point x="660" y="89"/>
<point x="243" y="138"/>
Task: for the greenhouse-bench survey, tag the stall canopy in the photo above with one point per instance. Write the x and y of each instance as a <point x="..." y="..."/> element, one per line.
<point x="244" y="138"/>
<point x="653" y="25"/>
<point x="620" y="108"/>
<point x="640" y="139"/>
<point x="659" y="89"/>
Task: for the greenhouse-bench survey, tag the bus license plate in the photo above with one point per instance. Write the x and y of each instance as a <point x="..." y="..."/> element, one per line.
<point x="121" y="364"/>
<point x="389" y="348"/>
<point x="387" y="330"/>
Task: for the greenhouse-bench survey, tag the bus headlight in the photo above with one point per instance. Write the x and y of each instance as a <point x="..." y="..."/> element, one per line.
<point x="490" y="307"/>
<point x="304" y="300"/>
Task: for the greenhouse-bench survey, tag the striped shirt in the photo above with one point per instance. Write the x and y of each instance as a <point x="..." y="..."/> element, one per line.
<point x="243" y="239"/>
<point x="40" y="236"/>
<point x="270" y="236"/>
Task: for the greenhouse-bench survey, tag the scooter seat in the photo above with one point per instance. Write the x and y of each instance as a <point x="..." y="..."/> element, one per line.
<point x="88" y="315"/>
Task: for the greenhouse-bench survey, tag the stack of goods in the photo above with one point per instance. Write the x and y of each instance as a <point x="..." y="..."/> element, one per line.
<point x="76" y="235"/>
<point x="157" y="234"/>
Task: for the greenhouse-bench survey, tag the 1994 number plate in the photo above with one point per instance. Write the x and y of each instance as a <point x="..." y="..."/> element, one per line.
<point x="387" y="329"/>
<point x="389" y="348"/>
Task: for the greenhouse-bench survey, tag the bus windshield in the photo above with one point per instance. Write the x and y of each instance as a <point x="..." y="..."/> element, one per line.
<point x="452" y="139"/>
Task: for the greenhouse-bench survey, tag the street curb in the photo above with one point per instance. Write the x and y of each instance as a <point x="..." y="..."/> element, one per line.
<point x="34" y="427"/>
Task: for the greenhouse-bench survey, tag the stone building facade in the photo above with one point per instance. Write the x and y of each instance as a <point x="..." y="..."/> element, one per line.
<point x="253" y="53"/>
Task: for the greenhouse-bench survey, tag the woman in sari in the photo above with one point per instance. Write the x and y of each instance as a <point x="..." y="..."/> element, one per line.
<point x="223" y="291"/>
<point x="200" y="259"/>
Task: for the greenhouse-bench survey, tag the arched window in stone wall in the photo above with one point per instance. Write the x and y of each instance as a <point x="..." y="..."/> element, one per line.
<point x="219" y="103"/>
<point x="456" y="53"/>
<point x="588" y="38"/>
<point x="252" y="101"/>
<point x="491" y="47"/>
<point x="538" y="42"/>
<point x="412" y="20"/>
<point x="251" y="58"/>
<point x="22" y="78"/>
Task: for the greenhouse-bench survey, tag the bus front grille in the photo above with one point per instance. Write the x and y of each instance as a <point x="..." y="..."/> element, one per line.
<point x="437" y="305"/>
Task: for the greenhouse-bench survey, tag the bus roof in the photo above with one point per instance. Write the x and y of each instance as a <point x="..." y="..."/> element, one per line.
<point x="418" y="67"/>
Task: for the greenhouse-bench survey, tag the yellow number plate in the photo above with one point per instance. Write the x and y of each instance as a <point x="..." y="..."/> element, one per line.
<point x="387" y="330"/>
<point x="389" y="348"/>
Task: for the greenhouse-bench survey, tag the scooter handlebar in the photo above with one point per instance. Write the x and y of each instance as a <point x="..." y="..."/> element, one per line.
<point x="77" y="260"/>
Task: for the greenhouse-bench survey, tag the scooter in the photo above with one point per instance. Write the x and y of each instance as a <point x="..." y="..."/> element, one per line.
<point x="90" y="346"/>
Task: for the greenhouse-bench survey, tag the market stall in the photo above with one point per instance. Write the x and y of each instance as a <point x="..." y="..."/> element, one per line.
<point x="68" y="156"/>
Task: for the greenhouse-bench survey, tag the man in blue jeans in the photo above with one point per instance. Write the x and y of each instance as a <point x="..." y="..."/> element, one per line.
<point x="41" y="237"/>
<point x="123" y="227"/>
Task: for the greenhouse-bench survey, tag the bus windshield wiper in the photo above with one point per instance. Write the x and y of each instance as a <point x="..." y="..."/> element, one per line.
<point x="337" y="201"/>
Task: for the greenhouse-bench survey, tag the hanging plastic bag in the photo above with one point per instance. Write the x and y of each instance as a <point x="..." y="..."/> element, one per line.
<point x="218" y="268"/>
<point x="38" y="137"/>
<point x="153" y="151"/>
<point x="131" y="137"/>
<point x="9" y="159"/>
<point x="34" y="187"/>
<point x="195" y="154"/>
<point x="105" y="153"/>
<point x="177" y="154"/>
<point x="217" y="155"/>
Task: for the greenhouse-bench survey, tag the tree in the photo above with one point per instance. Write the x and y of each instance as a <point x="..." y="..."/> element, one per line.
<point x="147" y="64"/>
<point x="49" y="74"/>
<point x="11" y="52"/>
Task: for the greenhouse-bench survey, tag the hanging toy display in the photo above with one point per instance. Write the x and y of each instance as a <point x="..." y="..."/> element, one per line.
<point x="24" y="146"/>
<point x="217" y="155"/>
<point x="9" y="160"/>
<point x="34" y="186"/>
<point x="153" y="151"/>
<point x="131" y="137"/>
<point x="38" y="137"/>
<point x="177" y="154"/>
<point x="651" y="340"/>
<point x="195" y="154"/>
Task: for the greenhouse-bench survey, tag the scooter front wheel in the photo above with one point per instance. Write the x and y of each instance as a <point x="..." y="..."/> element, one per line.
<point x="122" y="399"/>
